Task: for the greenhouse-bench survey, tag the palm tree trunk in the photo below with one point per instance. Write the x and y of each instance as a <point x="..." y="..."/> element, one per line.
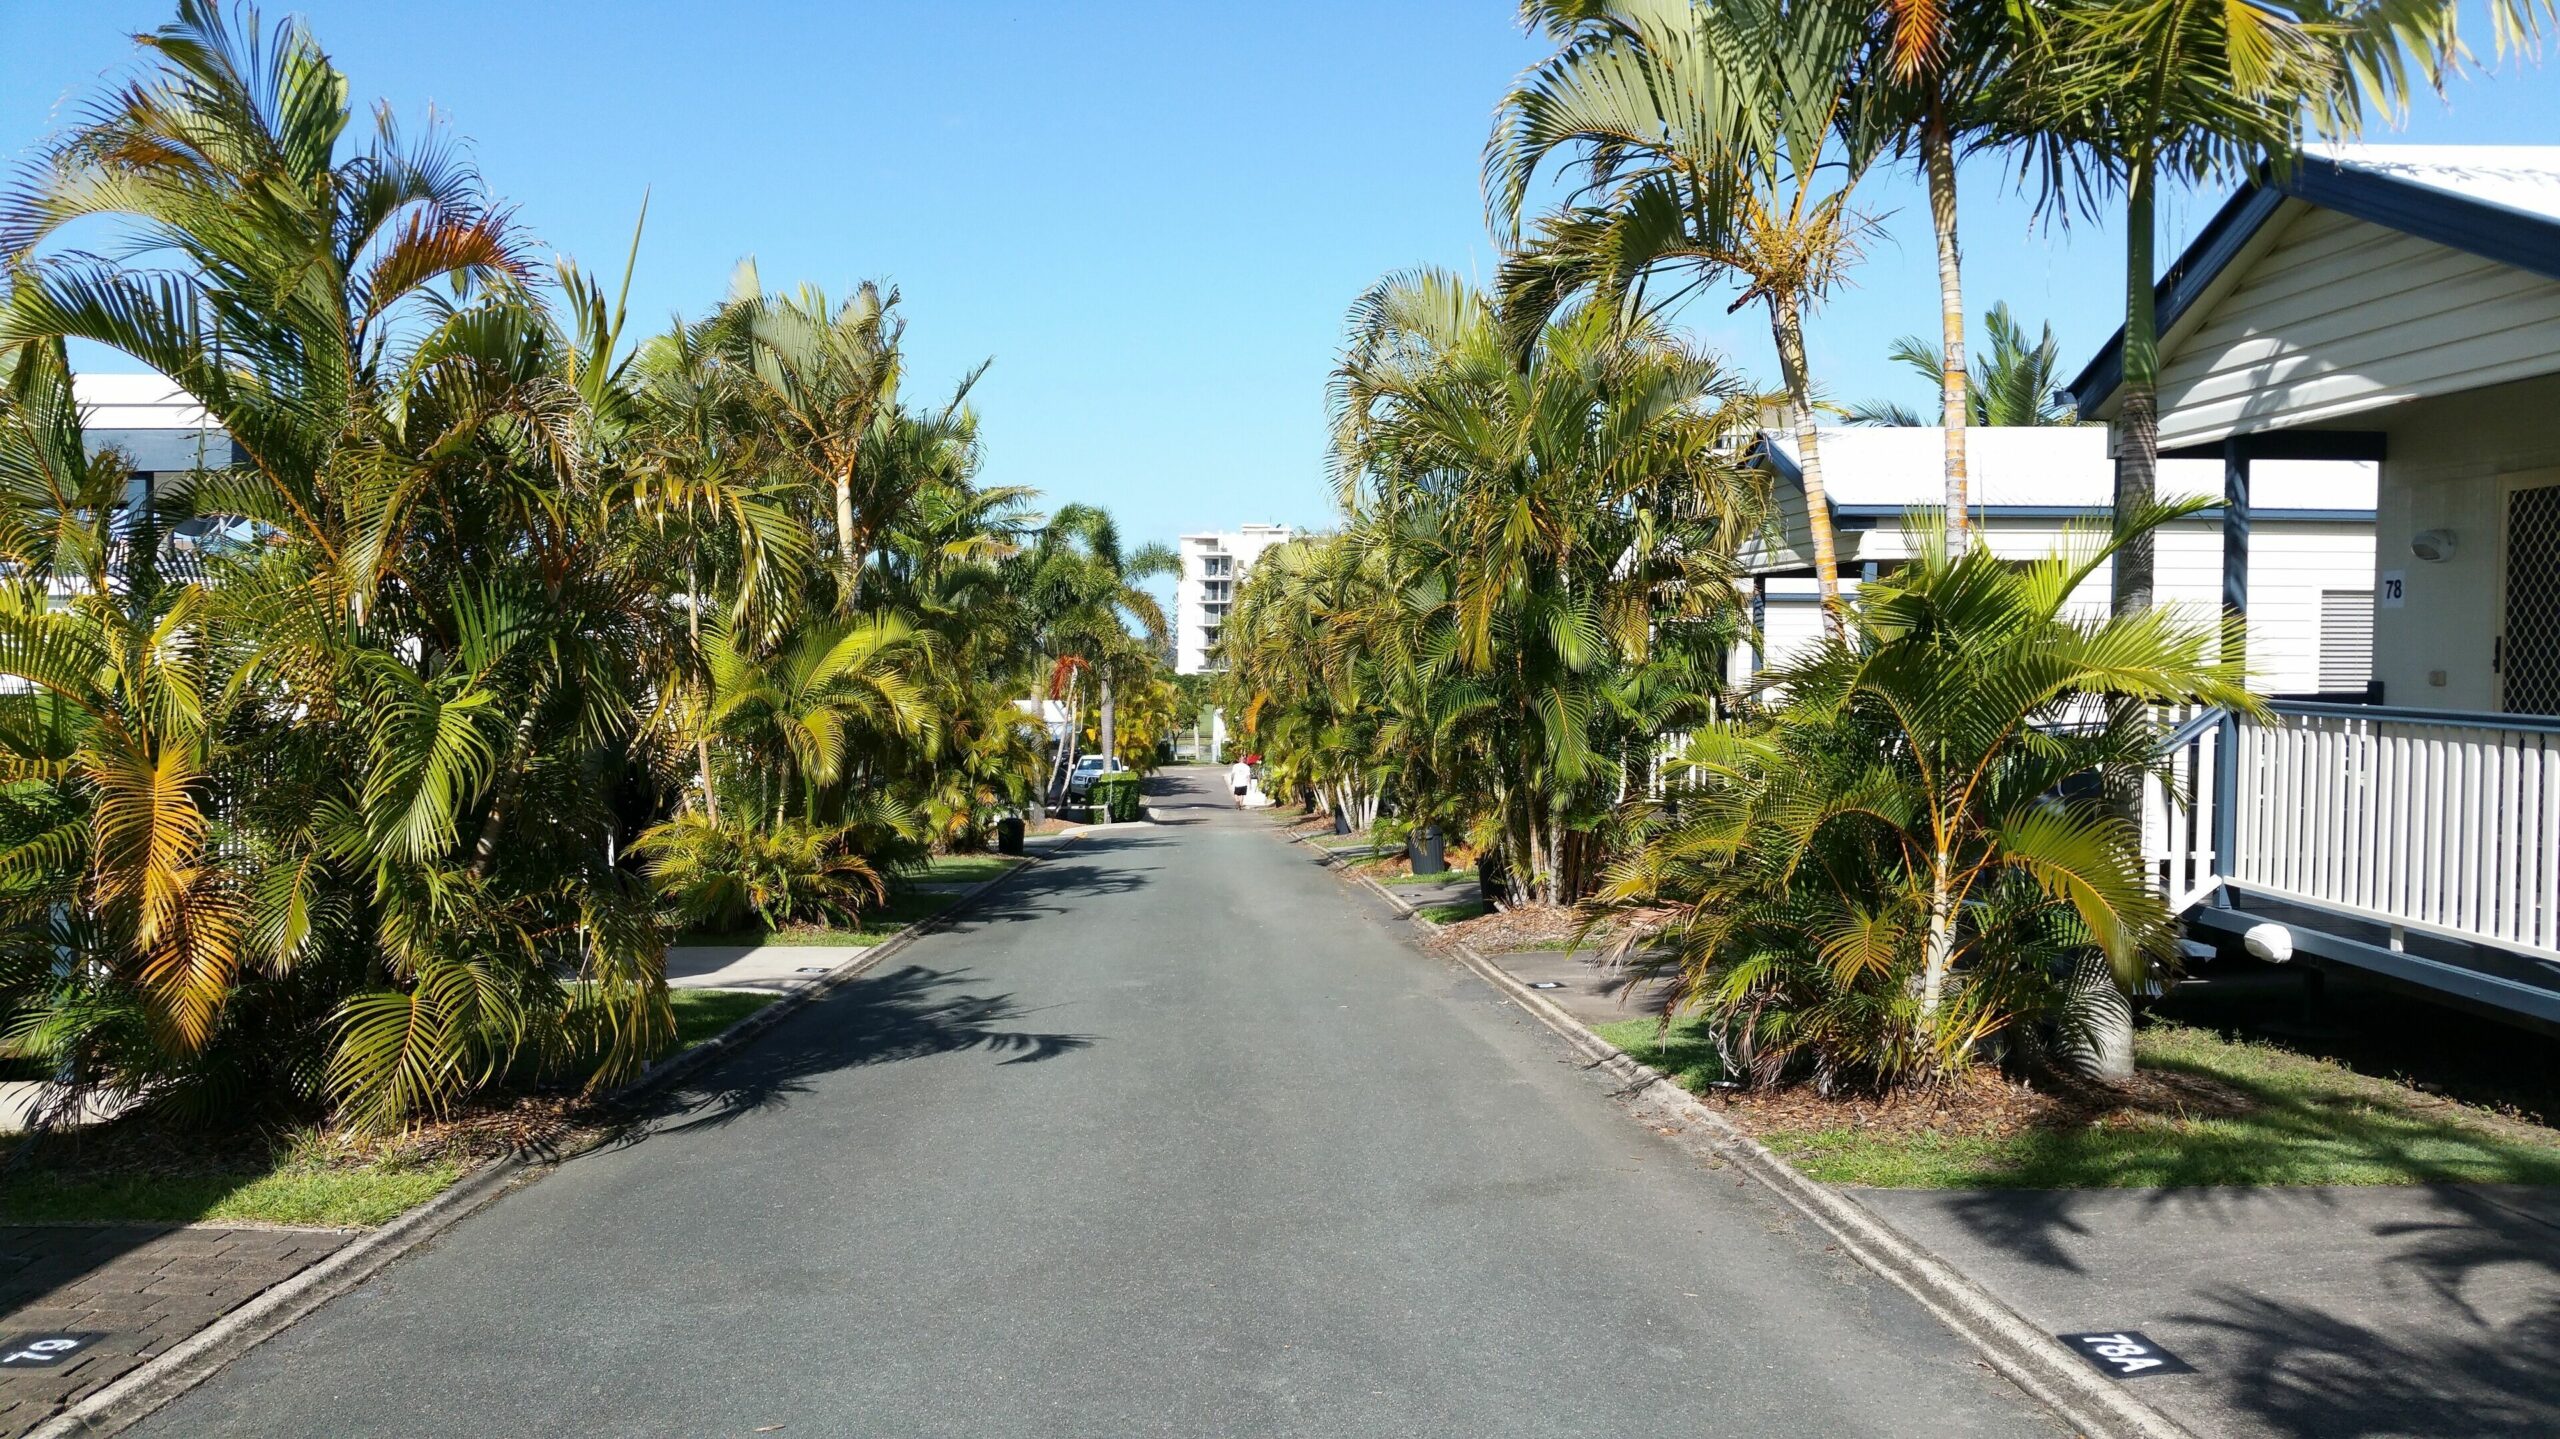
<point x="1555" y="851"/>
<point x="519" y="750"/>
<point x="845" y="551"/>
<point x="1937" y="157"/>
<point x="2138" y="422"/>
<point x="1941" y="954"/>
<point x="1109" y="714"/>
<point x="2100" y="1012"/>
<point x="1520" y="860"/>
<point x="693" y="625"/>
<point x="1787" y="320"/>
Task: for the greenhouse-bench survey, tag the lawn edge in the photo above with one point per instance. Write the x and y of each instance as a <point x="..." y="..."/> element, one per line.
<point x="168" y="1375"/>
<point x="2023" y="1354"/>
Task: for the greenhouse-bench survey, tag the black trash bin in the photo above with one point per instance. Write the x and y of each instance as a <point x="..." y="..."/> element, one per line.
<point x="1423" y="847"/>
<point x="1009" y="835"/>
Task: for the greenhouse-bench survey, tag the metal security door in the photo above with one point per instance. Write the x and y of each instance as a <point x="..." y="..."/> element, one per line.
<point x="2529" y="650"/>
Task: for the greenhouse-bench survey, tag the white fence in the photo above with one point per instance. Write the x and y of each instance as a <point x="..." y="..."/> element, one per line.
<point x="2178" y="812"/>
<point x="2445" y="822"/>
<point x="2435" y="821"/>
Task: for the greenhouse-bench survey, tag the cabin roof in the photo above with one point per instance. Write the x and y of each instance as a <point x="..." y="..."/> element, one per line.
<point x="1886" y="471"/>
<point x="2500" y="202"/>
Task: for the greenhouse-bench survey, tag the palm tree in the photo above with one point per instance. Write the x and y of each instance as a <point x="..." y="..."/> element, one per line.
<point x="801" y="712"/>
<point x="439" y="644"/>
<point x="821" y="373"/>
<point x="146" y="721"/>
<point x="2012" y="386"/>
<point x="1705" y="139"/>
<point x="1930" y="66"/>
<point x="1092" y="612"/>
<point x="1890" y="870"/>
<point x="59" y="504"/>
<point x="1549" y="521"/>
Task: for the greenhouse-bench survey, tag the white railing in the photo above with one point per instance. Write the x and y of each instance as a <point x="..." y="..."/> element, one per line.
<point x="1661" y="776"/>
<point x="2430" y="820"/>
<point x="2178" y="810"/>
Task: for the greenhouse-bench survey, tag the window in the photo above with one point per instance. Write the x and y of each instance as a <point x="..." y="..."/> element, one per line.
<point x="1217" y="566"/>
<point x="2346" y="640"/>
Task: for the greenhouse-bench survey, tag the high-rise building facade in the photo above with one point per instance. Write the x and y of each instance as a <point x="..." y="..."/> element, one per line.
<point x="1213" y="567"/>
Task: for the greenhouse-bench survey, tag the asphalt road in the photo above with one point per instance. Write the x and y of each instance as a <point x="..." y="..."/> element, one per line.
<point x="1175" y="1135"/>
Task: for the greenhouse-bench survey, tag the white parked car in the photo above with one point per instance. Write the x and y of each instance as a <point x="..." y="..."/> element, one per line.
<point x="1089" y="768"/>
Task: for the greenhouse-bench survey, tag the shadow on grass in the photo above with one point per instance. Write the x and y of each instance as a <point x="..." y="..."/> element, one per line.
<point x="908" y="1013"/>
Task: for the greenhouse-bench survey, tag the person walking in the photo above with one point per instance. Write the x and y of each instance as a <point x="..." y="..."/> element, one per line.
<point x="1240" y="779"/>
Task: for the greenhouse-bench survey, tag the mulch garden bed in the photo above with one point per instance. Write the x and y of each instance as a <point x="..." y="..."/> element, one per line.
<point x="1537" y="926"/>
<point x="1985" y="1104"/>
<point x="141" y="1146"/>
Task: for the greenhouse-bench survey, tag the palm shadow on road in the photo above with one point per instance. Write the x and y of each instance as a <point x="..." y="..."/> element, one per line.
<point x="908" y="1013"/>
<point x="1045" y="889"/>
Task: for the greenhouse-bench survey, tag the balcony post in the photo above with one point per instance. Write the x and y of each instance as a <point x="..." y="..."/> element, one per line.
<point x="1759" y="623"/>
<point x="2235" y="609"/>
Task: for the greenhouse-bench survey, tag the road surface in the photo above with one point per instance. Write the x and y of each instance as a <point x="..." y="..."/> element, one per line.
<point x="1174" y="1135"/>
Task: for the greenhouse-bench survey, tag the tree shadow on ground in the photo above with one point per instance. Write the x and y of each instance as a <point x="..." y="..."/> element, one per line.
<point x="908" y="1013"/>
<point x="1047" y="888"/>
<point x="2478" y="1361"/>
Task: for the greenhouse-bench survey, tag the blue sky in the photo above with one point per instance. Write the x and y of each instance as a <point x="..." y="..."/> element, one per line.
<point x="1150" y="216"/>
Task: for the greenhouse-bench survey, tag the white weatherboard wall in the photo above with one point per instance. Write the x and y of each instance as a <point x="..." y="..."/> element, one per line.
<point x="2292" y="563"/>
<point x="2336" y="316"/>
<point x="2451" y="460"/>
<point x="2312" y="534"/>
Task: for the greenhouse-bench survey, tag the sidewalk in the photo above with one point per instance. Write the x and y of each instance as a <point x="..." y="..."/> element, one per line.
<point x="772" y="968"/>
<point x="144" y="1287"/>
<point x="2306" y="1312"/>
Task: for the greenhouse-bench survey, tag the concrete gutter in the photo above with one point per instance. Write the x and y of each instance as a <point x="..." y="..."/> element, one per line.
<point x="203" y="1354"/>
<point x="2027" y="1356"/>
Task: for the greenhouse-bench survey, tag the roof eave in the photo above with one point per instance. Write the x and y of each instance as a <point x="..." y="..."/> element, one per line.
<point x="2494" y="232"/>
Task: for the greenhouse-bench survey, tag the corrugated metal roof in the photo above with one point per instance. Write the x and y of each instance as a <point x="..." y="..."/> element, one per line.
<point x="137" y="402"/>
<point x="2522" y="178"/>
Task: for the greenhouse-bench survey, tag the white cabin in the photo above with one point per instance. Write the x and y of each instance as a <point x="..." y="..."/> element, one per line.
<point x="2399" y="304"/>
<point x="2311" y="632"/>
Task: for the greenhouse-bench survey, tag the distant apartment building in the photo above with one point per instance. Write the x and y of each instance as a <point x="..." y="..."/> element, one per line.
<point x="1213" y="565"/>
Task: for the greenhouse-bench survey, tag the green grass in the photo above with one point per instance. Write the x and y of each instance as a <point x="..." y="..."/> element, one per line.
<point x="2225" y="1112"/>
<point x="878" y="925"/>
<point x="300" y="1183"/>
<point x="1451" y="913"/>
<point x="1455" y="876"/>
<point x="293" y="1190"/>
<point x="965" y="868"/>
<point x="702" y="1013"/>
<point x="1683" y="1053"/>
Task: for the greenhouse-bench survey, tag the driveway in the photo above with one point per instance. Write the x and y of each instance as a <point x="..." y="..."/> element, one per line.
<point x="1171" y="1136"/>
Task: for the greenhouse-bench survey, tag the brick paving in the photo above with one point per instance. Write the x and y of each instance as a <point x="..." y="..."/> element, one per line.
<point x="145" y="1287"/>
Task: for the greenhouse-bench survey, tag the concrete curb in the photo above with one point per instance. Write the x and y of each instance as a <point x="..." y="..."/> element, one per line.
<point x="2025" y="1355"/>
<point x="203" y="1354"/>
